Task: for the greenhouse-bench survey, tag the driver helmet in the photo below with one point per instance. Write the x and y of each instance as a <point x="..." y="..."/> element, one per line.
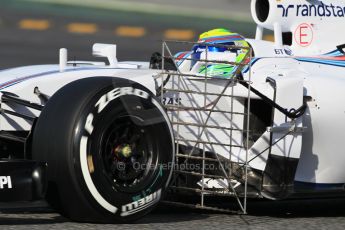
<point x="220" y="38"/>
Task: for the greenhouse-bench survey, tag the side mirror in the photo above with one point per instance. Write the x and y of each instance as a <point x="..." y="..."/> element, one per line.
<point x="105" y="50"/>
<point x="156" y="62"/>
<point x="341" y="48"/>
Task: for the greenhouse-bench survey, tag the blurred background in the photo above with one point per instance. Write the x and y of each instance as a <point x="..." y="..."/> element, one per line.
<point x="32" y="31"/>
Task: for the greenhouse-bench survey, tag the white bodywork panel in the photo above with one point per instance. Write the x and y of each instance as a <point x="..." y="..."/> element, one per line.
<point x="49" y="79"/>
<point x="321" y="159"/>
<point x="316" y="145"/>
<point x="284" y="74"/>
<point x="313" y="24"/>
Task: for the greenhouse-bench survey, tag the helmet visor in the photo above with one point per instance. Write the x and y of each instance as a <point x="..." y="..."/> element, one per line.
<point x="199" y="49"/>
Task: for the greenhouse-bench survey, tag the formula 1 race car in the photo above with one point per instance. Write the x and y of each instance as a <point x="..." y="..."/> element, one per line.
<point x="233" y="117"/>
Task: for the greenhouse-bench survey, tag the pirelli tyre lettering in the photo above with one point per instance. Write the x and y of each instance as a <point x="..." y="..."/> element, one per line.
<point x="141" y="204"/>
<point x="5" y="182"/>
<point x="115" y="125"/>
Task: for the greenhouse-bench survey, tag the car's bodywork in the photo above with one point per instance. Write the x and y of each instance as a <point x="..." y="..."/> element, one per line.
<point x="295" y="86"/>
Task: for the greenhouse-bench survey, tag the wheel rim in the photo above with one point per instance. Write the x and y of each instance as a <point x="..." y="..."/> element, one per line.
<point x="127" y="152"/>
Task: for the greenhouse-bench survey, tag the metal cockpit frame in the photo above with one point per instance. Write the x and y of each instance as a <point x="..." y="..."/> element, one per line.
<point x="177" y="77"/>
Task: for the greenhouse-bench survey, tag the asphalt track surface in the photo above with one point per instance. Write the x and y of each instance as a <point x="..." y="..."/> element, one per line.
<point x="307" y="215"/>
<point x="20" y="45"/>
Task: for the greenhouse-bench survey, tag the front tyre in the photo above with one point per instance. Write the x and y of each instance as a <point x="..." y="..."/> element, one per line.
<point x="109" y="148"/>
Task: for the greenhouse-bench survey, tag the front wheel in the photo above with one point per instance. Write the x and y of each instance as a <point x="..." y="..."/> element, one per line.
<point x="109" y="148"/>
